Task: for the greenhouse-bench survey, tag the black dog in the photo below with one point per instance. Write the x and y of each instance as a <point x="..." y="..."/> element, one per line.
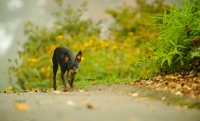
<point x="67" y="62"/>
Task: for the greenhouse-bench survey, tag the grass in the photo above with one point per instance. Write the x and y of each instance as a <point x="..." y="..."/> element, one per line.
<point x="91" y="82"/>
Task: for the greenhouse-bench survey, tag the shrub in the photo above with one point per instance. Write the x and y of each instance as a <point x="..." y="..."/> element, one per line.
<point x="172" y="47"/>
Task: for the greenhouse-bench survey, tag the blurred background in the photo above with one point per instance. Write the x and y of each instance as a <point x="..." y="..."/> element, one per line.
<point x="15" y="13"/>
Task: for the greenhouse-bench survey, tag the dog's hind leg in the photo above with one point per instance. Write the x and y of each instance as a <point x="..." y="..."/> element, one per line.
<point x="55" y="68"/>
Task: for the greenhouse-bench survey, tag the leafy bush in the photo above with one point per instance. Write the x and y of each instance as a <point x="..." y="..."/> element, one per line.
<point x="115" y="57"/>
<point x="130" y="27"/>
<point x="172" y="48"/>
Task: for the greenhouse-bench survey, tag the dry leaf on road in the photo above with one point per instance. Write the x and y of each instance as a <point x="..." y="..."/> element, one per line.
<point x="21" y="106"/>
<point x="57" y="92"/>
<point x="133" y="94"/>
<point x="71" y="103"/>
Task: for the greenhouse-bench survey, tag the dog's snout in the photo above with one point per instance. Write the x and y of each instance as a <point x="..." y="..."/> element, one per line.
<point x="73" y="71"/>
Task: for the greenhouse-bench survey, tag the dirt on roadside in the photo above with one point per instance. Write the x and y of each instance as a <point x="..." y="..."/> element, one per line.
<point x="143" y="92"/>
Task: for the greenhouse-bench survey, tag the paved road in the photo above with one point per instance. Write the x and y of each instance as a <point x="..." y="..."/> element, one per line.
<point x="89" y="106"/>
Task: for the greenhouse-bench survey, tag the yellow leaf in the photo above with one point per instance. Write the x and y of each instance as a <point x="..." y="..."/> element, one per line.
<point x="21" y="106"/>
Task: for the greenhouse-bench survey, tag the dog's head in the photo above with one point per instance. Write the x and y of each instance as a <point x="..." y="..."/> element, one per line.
<point x="73" y="64"/>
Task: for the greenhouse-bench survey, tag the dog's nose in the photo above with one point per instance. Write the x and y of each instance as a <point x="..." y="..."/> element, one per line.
<point x="74" y="72"/>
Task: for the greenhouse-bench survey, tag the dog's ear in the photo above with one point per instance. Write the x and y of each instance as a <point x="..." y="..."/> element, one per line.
<point x="66" y="57"/>
<point x="79" y="56"/>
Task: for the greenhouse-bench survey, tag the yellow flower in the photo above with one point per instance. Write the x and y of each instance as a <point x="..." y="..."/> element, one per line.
<point x="52" y="48"/>
<point x="126" y="45"/>
<point x="43" y="70"/>
<point x="87" y="44"/>
<point x="130" y="34"/>
<point x="60" y="37"/>
<point x="128" y="26"/>
<point x="82" y="28"/>
<point x="33" y="60"/>
<point x="115" y="47"/>
<point x="91" y="41"/>
<point x="83" y="58"/>
<point x="103" y="43"/>
<point x="49" y="51"/>
<point x="106" y="44"/>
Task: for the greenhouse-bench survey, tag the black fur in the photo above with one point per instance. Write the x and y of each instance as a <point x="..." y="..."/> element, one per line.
<point x="65" y="58"/>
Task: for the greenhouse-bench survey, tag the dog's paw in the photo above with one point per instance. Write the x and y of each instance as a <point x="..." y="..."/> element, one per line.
<point x="65" y="89"/>
<point x="54" y="87"/>
<point x="72" y="85"/>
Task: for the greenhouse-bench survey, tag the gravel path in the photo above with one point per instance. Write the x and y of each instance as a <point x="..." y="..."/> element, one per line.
<point x="104" y="105"/>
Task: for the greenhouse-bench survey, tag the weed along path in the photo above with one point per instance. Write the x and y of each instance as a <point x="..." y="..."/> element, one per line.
<point x="100" y="103"/>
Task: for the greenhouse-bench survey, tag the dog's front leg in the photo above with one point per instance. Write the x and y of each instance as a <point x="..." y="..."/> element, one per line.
<point x="63" y="81"/>
<point x="70" y="80"/>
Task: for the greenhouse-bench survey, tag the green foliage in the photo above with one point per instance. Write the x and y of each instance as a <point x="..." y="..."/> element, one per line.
<point x="172" y="48"/>
<point x="195" y="53"/>
<point x="130" y="28"/>
<point x="110" y="59"/>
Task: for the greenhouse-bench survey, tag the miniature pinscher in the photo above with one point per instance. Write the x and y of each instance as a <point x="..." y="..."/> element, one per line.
<point x="65" y="58"/>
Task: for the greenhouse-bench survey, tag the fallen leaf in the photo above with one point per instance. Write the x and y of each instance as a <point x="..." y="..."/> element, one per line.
<point x="81" y="90"/>
<point x="120" y="92"/>
<point x="90" y="106"/>
<point x="133" y="94"/>
<point x="141" y="97"/>
<point x="182" y="84"/>
<point x="71" y="103"/>
<point x="179" y="93"/>
<point x="57" y="92"/>
<point x="74" y="90"/>
<point x="178" y="107"/>
<point x="21" y="106"/>
<point x="170" y="77"/>
<point x="46" y="90"/>
<point x="185" y="106"/>
<point x="163" y="98"/>
<point x="131" y="83"/>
